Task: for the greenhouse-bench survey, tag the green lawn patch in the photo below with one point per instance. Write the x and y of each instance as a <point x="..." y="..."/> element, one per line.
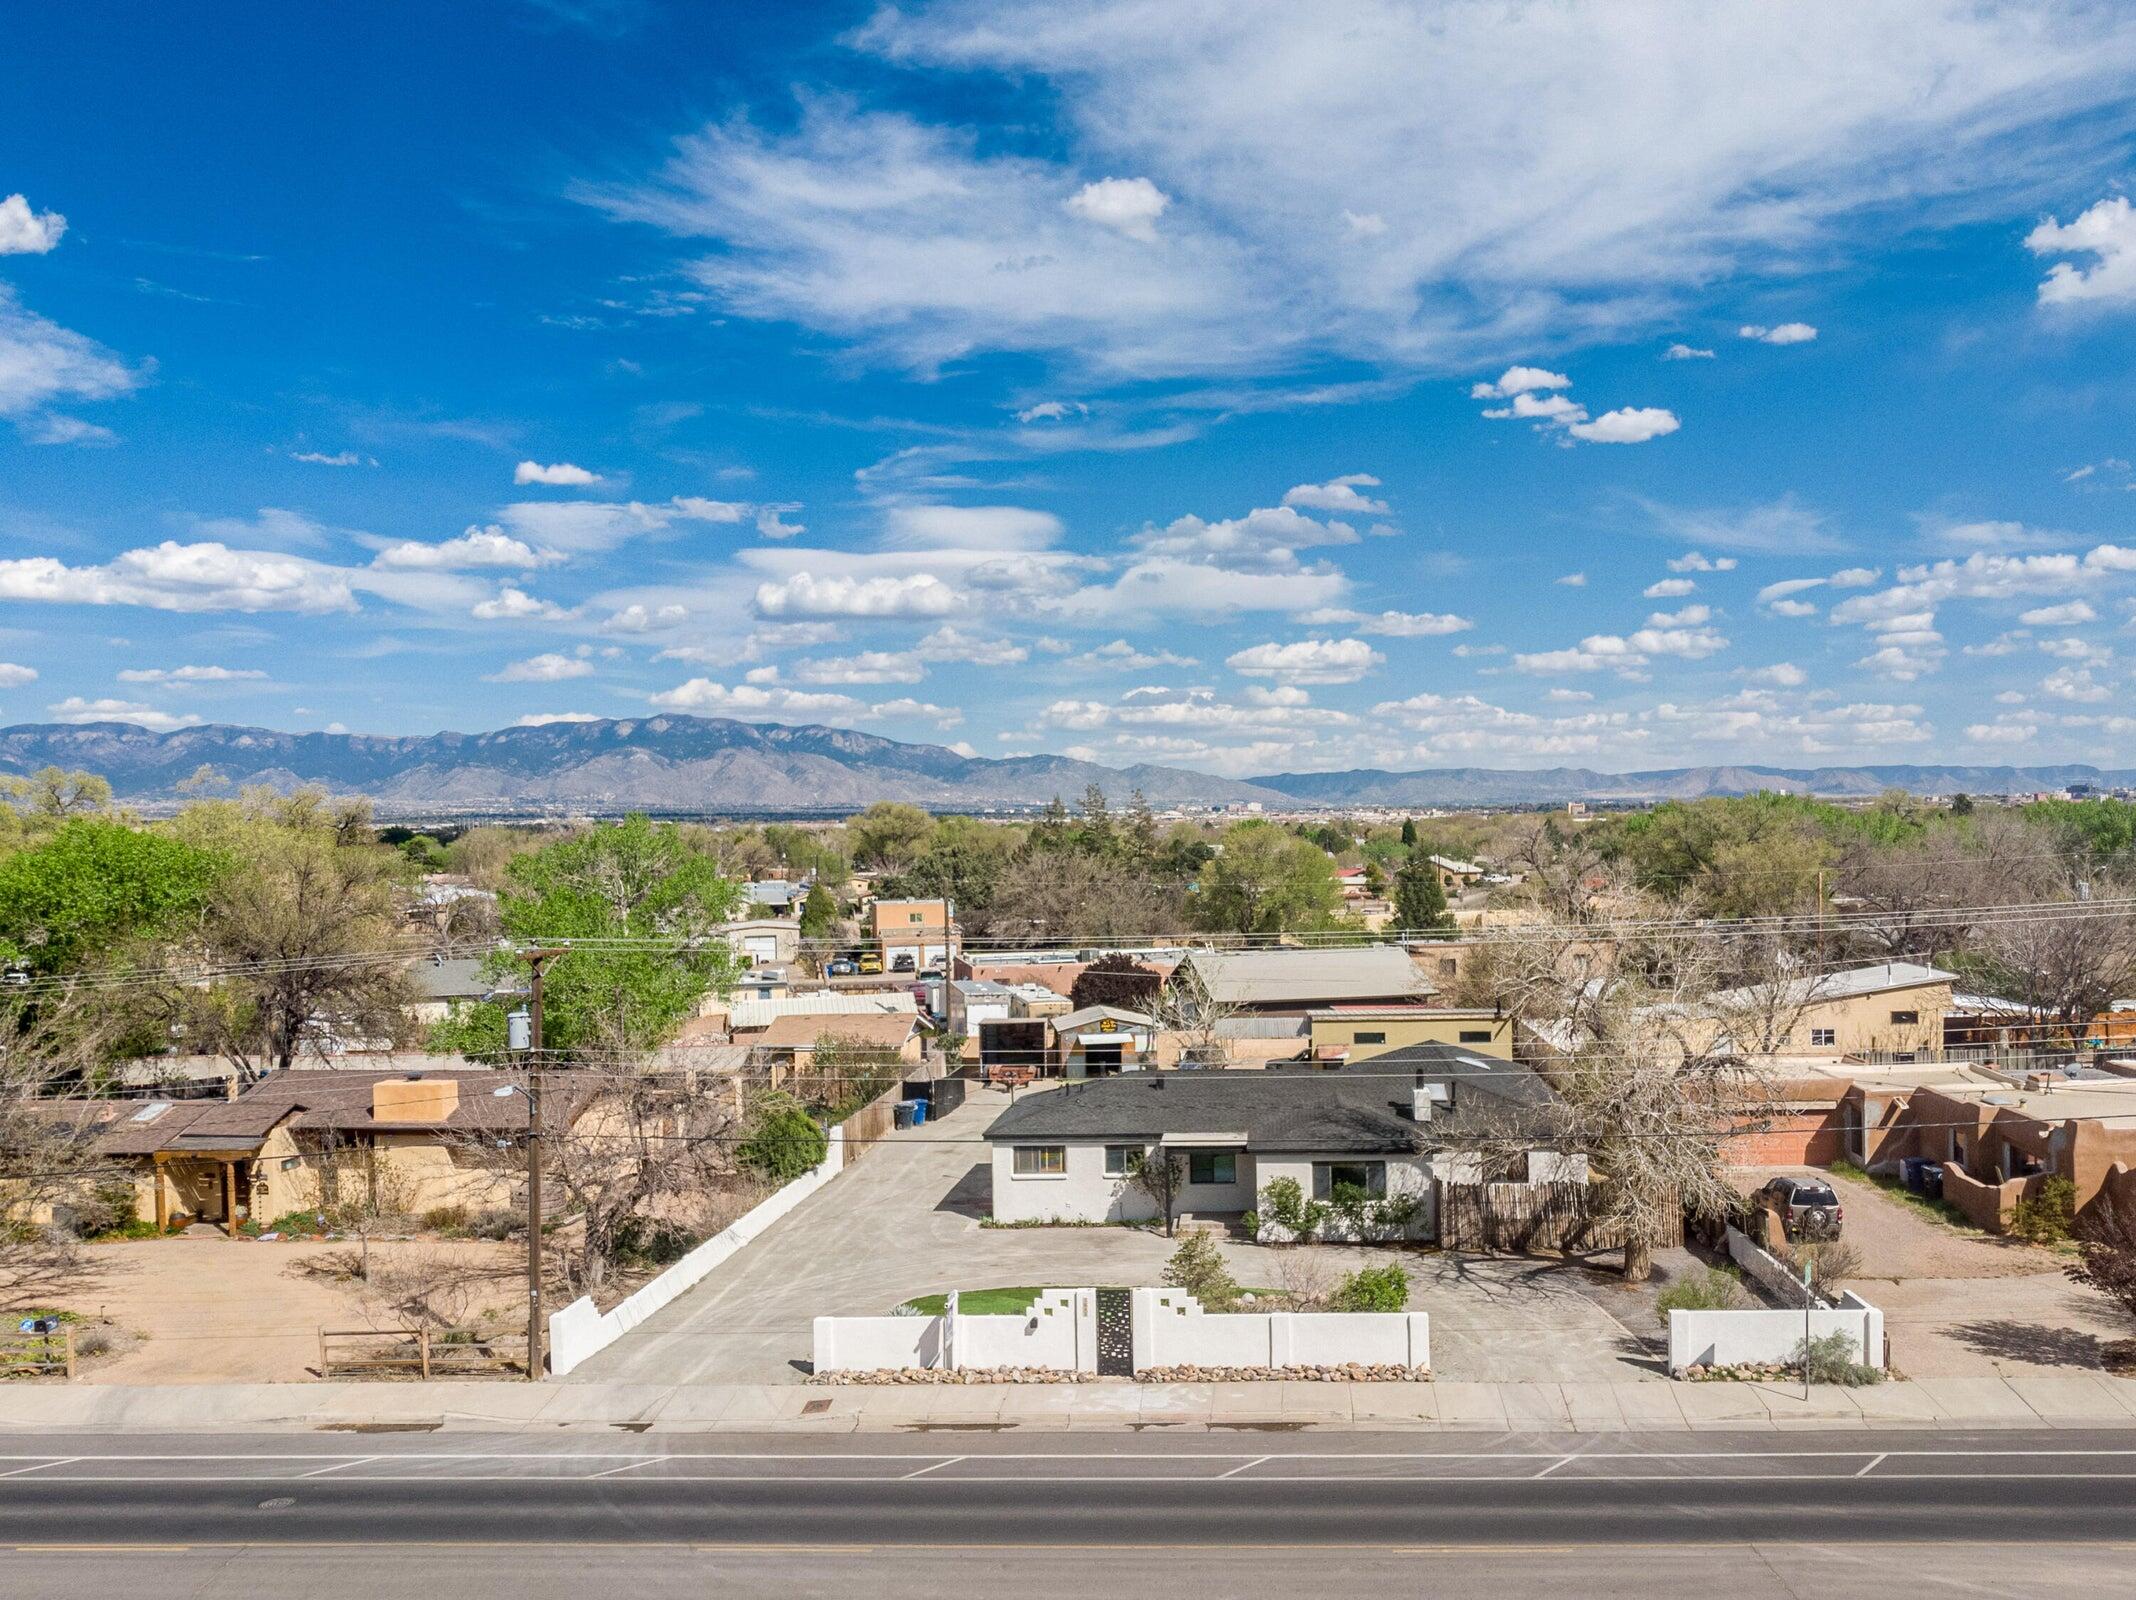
<point x="1011" y="1302"/>
<point x="1940" y="1210"/>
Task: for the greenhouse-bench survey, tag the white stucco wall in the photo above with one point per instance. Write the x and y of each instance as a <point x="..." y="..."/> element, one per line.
<point x="1083" y="1194"/>
<point x="1172" y="1330"/>
<point x="1406" y="1175"/>
<point x="1729" y="1338"/>
<point x="877" y="1344"/>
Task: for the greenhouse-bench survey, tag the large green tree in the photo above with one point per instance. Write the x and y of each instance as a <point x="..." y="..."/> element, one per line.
<point x="639" y="881"/>
<point x="1265" y="879"/>
<point x="1420" y="899"/>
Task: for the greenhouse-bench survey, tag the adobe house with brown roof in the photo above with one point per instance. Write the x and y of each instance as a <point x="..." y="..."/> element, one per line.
<point x="288" y="1142"/>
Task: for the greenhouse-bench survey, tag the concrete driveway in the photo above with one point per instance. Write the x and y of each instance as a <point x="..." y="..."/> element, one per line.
<point x="904" y="1221"/>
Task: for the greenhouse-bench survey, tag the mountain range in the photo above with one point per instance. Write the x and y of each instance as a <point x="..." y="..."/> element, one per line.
<point x="708" y="764"/>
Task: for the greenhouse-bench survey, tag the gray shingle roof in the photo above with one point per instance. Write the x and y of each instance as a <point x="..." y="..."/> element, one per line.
<point x="1327" y="1112"/>
<point x="1467" y="1071"/>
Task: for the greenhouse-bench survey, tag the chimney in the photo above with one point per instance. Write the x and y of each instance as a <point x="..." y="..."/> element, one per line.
<point x="1420" y="1099"/>
<point x="414" y="1100"/>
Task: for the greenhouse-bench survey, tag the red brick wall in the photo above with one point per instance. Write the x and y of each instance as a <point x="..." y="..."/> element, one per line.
<point x="1810" y="1137"/>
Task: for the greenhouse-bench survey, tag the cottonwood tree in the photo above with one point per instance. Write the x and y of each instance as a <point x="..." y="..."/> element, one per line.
<point x="1649" y="1085"/>
<point x="2065" y="962"/>
<point x="1266" y="880"/>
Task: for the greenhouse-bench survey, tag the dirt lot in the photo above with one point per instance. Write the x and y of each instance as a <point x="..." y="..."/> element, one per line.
<point x="218" y="1310"/>
<point x="1961" y="1304"/>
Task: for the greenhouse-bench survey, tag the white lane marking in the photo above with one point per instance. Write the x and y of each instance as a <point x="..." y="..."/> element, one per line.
<point x="1871" y="1467"/>
<point x="353" y="1461"/>
<point x="947" y="1461"/>
<point x="1243" y="1465"/>
<point x="56" y="1461"/>
<point x="628" y="1466"/>
<point x="1245" y="1483"/>
<point x="1562" y="1461"/>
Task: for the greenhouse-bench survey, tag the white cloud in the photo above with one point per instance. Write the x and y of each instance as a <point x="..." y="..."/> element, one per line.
<point x="24" y="232"/>
<point x="2002" y="732"/>
<point x="1786" y="333"/>
<point x="1686" y="617"/>
<point x="476" y="548"/>
<point x="1572" y="580"/>
<point x="512" y="604"/>
<point x="920" y="594"/>
<point x="170" y="576"/>
<point x="772" y="524"/>
<point x="703" y="695"/>
<point x="950" y="643"/>
<point x="2075" y="684"/>
<point x="640" y="618"/>
<point x="1685" y="352"/>
<point x="2066" y="615"/>
<point x="187" y="675"/>
<point x="1628" y="425"/>
<point x="563" y="475"/>
<point x="41" y="362"/>
<point x="870" y="666"/>
<point x="1391" y="624"/>
<point x="1855" y="577"/>
<point x="1339" y="495"/>
<point x="699" y="509"/>
<point x="1264" y="540"/>
<point x="1126" y="205"/>
<point x="1364" y="224"/>
<point x="1782" y="675"/>
<point x="1307" y="661"/>
<point x="1052" y="411"/>
<point x="2106" y="232"/>
<point x="543" y="719"/>
<point x="13" y="675"/>
<point x="1693" y="561"/>
<point x="1122" y="656"/>
<point x="1781" y="527"/>
<point x="1668" y="588"/>
<point x="548" y="667"/>
<point x="1629" y="654"/>
<point x="1791" y="608"/>
<point x="340" y="458"/>
<point x="1519" y="380"/>
<point x="971" y="528"/>
<point x="76" y="709"/>
<point x="1635" y="164"/>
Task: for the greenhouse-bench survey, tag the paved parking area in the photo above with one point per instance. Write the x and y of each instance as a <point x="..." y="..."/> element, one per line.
<point x="904" y="1221"/>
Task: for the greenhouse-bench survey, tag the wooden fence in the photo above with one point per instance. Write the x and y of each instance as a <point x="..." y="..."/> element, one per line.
<point x="1537" y="1219"/>
<point x="25" y="1354"/>
<point x="420" y="1353"/>
<point x="873" y="1120"/>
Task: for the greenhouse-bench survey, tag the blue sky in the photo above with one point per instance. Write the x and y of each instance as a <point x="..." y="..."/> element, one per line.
<point x="1244" y="387"/>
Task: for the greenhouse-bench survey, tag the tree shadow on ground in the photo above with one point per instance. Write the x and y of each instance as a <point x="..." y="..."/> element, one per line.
<point x="971" y="1195"/>
<point x="2034" y="1343"/>
<point x="37" y="1276"/>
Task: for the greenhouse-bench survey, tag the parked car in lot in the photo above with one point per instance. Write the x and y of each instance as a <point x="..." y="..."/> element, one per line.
<point x="1808" y="1209"/>
<point x="871" y="964"/>
<point x="842" y="968"/>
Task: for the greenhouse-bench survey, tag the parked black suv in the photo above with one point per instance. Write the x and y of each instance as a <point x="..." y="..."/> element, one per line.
<point x="1808" y="1209"/>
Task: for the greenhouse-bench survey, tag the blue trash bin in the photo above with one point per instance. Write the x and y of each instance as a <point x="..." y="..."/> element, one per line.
<point x="919" y="1113"/>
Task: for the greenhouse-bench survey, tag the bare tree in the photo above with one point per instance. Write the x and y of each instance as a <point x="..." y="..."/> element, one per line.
<point x="2064" y="963"/>
<point x="1160" y="1174"/>
<point x="48" y="1157"/>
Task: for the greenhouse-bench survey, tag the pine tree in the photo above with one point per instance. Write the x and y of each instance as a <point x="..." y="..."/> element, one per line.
<point x="1420" y="901"/>
<point x="1409" y="832"/>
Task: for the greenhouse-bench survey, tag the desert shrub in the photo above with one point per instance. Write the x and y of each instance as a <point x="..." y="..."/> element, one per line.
<point x="1198" y="1267"/>
<point x="2047" y="1216"/>
<point x="290" y="1225"/>
<point x="1832" y="1263"/>
<point x="107" y="1211"/>
<point x="1372" y="1289"/>
<point x="496" y="1222"/>
<point x="1283" y="1203"/>
<point x="652" y="1241"/>
<point x="446" y="1219"/>
<point x="784" y="1144"/>
<point x="1829" y="1358"/>
<point x="1713" y="1289"/>
<point x="93" y="1342"/>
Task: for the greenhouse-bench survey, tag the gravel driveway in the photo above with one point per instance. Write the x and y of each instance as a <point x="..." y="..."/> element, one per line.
<point x="904" y="1221"/>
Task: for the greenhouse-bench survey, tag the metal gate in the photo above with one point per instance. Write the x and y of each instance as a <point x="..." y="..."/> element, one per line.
<point x="1116" y="1333"/>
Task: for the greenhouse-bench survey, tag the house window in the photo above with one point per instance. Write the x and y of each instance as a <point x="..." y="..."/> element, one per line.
<point x="1120" y="1160"/>
<point x="1905" y="1018"/>
<point x="1041" y="1161"/>
<point x="1369" y="1038"/>
<point x="1212" y="1166"/>
<point x="1328" y="1176"/>
<point x="1824" y="1036"/>
<point x="1475" y="1035"/>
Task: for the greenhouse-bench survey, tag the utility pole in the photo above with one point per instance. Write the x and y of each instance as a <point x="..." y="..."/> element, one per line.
<point x="536" y="959"/>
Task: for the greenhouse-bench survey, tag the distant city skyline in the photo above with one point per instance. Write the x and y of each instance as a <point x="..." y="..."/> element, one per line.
<point x="1243" y="389"/>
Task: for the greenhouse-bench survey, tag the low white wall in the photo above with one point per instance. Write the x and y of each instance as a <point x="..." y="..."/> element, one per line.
<point x="1732" y="1338"/>
<point x="1172" y="1330"/>
<point x="1058" y="1332"/>
<point x="581" y="1330"/>
<point x="876" y="1344"/>
<point x="1768" y="1271"/>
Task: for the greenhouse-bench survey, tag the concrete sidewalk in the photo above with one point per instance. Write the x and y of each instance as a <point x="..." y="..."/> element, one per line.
<point x="2062" y="1400"/>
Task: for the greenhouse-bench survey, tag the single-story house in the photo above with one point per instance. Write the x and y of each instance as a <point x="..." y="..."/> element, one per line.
<point x="1298" y="981"/>
<point x="794" y="1039"/>
<point x="764" y="940"/>
<point x="776" y="897"/>
<point x="289" y="1142"/>
<point x="1098" y="1040"/>
<point x="746" y="1017"/>
<point x="442" y="982"/>
<point x="1070" y="1154"/>
<point x="1455" y="875"/>
<point x="1359" y="1033"/>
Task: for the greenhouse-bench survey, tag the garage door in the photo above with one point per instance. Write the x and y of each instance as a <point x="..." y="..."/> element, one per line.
<point x="760" y="947"/>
